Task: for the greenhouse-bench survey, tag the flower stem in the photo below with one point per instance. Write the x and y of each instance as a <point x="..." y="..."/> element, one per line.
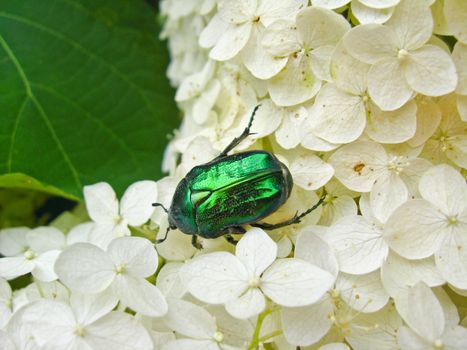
<point x="256" y="335"/>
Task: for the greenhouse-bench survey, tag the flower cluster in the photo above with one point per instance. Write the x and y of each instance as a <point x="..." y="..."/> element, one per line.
<point x="367" y="106"/>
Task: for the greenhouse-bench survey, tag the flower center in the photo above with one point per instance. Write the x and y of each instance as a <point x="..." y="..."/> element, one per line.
<point x="397" y="164"/>
<point x="452" y="220"/>
<point x="438" y="344"/>
<point x="254" y="282"/>
<point x="402" y="54"/>
<point x="29" y="254"/>
<point x="218" y="336"/>
<point x="120" y="269"/>
<point x="79" y="330"/>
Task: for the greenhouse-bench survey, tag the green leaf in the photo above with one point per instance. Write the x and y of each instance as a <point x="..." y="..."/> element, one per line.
<point x="83" y="93"/>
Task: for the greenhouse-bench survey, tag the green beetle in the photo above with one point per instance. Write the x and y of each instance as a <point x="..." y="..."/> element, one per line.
<point x="215" y="199"/>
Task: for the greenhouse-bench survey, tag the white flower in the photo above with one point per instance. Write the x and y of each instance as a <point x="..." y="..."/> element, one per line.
<point x="28" y="251"/>
<point x="112" y="219"/>
<point x="342" y="108"/>
<point x="351" y="294"/>
<point x="429" y="329"/>
<point x="389" y="177"/>
<point x="338" y="203"/>
<point x="230" y="29"/>
<point x="239" y="281"/>
<point x="435" y="224"/>
<point x="87" y="323"/>
<point x="204" y="331"/>
<point x="459" y="56"/>
<point x="449" y="142"/>
<point x="456" y="16"/>
<point x="86" y="268"/>
<point x="309" y="44"/>
<point x="6" y="302"/>
<point x="401" y="61"/>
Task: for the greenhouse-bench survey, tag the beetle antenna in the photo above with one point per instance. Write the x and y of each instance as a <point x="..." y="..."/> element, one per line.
<point x="165" y="237"/>
<point x="160" y="205"/>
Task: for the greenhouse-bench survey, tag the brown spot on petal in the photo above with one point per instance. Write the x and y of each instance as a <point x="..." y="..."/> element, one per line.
<point x="358" y="168"/>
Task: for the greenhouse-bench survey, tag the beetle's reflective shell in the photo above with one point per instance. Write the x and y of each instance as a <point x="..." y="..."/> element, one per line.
<point x="229" y="191"/>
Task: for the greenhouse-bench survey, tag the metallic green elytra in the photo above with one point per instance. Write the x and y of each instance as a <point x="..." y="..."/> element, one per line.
<point x="217" y="198"/>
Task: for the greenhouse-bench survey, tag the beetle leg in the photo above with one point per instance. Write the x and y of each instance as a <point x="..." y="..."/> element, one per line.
<point x="195" y="243"/>
<point x="230" y="239"/>
<point x="295" y="220"/>
<point x="243" y="136"/>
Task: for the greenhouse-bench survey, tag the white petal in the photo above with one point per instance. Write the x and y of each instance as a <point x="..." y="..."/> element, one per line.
<point x="421" y="298"/>
<point x="6" y="342"/>
<point x="445" y="188"/>
<point x="455" y="11"/>
<point x="415" y="230"/>
<point x="336" y="116"/>
<point x="398" y="274"/>
<point x="462" y="107"/>
<point x="376" y="330"/>
<point x="131" y="334"/>
<point x="459" y="56"/>
<point x="387" y="194"/>
<point x="194" y="84"/>
<point x="101" y="202"/>
<point x="363" y="293"/>
<point x="455" y="338"/>
<point x="337" y="208"/>
<point x="44" y="269"/>
<point x="288" y="135"/>
<point x="358" y="245"/>
<point x="85" y="268"/>
<point x="45" y="238"/>
<point x="280" y="38"/>
<point x="190" y="344"/>
<point x="379" y="4"/>
<point x="318" y="26"/>
<point x="409" y="340"/>
<point x="140" y="295"/>
<point x="359" y="165"/>
<point x="330" y="4"/>
<point x="256" y="250"/>
<point x="392" y="126"/>
<point x="295" y="282"/>
<point x="169" y="282"/>
<point x="306" y="325"/>
<point x="177" y="246"/>
<point x="13" y="241"/>
<point x="348" y="73"/>
<point x="310" y="172"/>
<point x="412" y="31"/>
<point x="257" y="60"/>
<point x="295" y="84"/>
<point x="366" y="14"/>
<point x="15" y="266"/>
<point x="371" y="43"/>
<point x="334" y="346"/>
<point x="80" y="233"/>
<point x="136" y="254"/>
<point x="213" y="31"/>
<point x="136" y="203"/>
<point x="249" y="304"/>
<point x="267" y="119"/>
<point x="428" y="119"/>
<point x="272" y="10"/>
<point x="310" y="247"/>
<point x="232" y="40"/>
<point x="312" y="142"/>
<point x="321" y="62"/>
<point x="215" y="278"/>
<point x="190" y="320"/>
<point x="50" y="322"/>
<point x="431" y="71"/>
<point x="237" y="12"/>
<point x="387" y="84"/>
<point x="451" y="259"/>
<point x="90" y="307"/>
